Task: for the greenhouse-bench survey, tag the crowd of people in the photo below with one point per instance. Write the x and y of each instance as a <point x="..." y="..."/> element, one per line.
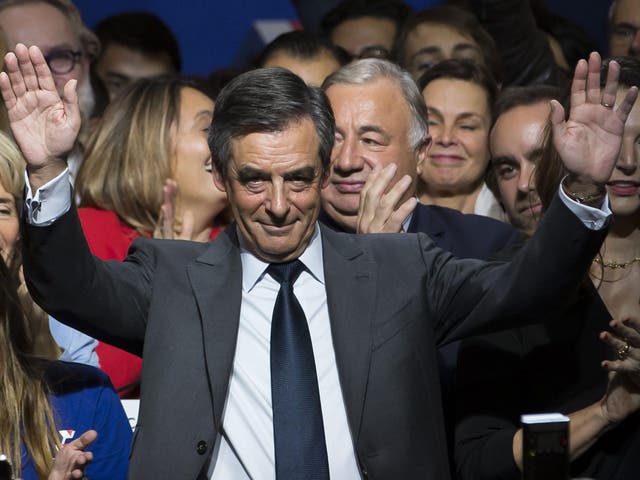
<point x="366" y="254"/>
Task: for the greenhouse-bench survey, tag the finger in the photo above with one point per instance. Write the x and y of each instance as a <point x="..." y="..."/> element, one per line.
<point x="371" y="203"/>
<point x="84" y="440"/>
<point x="42" y="72"/>
<point x="593" y="78"/>
<point x="558" y="124"/>
<point x="403" y="211"/>
<point x="627" y="329"/>
<point x="8" y="95"/>
<point x="612" y="340"/>
<point x="188" y="222"/>
<point x="624" y="109"/>
<point x="611" y="85"/>
<point x="12" y="67"/>
<point x="371" y="180"/>
<point x="383" y="217"/>
<point x="167" y="221"/>
<point x="28" y="71"/>
<point x="579" y="83"/>
<point x="70" y="100"/>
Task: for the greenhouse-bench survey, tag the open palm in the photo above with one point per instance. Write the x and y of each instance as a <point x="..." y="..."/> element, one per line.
<point x="44" y="125"/>
<point x="589" y="141"/>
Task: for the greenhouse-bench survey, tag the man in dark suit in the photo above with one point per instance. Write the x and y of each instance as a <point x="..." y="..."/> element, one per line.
<point x="375" y="306"/>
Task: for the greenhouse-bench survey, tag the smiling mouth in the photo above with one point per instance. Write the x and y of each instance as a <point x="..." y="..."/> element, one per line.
<point x="446" y="159"/>
<point x="624" y="188"/>
<point x="277" y="230"/>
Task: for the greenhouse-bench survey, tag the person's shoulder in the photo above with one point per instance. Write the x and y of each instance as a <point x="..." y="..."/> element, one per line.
<point x="90" y="216"/>
<point x="62" y="377"/>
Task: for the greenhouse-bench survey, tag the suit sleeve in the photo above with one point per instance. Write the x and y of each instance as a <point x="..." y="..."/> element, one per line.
<point x="470" y="297"/>
<point x="106" y="300"/>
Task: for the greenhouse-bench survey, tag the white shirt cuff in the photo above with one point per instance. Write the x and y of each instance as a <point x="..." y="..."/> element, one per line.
<point x="50" y="202"/>
<point x="592" y="218"/>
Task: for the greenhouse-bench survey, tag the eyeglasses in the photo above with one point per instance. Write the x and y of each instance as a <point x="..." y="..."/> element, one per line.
<point x="62" y="61"/>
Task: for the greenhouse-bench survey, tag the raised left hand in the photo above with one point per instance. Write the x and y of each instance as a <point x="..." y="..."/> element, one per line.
<point x="589" y="141"/>
<point x="168" y="227"/>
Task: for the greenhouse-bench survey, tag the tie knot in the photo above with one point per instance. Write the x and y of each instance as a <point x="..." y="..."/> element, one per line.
<point x="286" y="272"/>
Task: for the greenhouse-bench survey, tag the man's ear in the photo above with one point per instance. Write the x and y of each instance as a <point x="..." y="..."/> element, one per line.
<point x="421" y="155"/>
<point x="217" y="179"/>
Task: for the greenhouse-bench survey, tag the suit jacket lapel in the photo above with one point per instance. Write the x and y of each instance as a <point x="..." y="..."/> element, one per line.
<point x="350" y="280"/>
<point x="216" y="280"/>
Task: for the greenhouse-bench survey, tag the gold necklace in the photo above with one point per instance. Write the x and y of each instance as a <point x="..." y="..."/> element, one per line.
<point x="613" y="265"/>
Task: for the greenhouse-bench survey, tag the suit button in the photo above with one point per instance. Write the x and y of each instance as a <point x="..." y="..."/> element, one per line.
<point x="201" y="448"/>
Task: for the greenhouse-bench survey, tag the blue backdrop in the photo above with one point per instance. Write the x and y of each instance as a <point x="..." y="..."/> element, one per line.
<point x="211" y="32"/>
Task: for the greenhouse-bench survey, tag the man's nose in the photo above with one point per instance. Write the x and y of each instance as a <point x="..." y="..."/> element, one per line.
<point x="346" y="156"/>
<point x="277" y="202"/>
<point x="527" y="178"/>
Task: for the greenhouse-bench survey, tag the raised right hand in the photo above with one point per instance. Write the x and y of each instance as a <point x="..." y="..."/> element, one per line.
<point x="44" y="125"/>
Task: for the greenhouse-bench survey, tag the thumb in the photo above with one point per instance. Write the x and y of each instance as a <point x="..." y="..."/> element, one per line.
<point x="557" y="113"/>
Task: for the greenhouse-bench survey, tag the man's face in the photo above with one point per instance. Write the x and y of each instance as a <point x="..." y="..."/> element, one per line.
<point x="273" y="184"/>
<point x="516" y="144"/>
<point x="120" y="66"/>
<point x="623" y="186"/>
<point x="365" y="37"/>
<point x="625" y="23"/>
<point x="312" y="70"/>
<point x="45" y="26"/>
<point x="372" y="128"/>
<point x="431" y="43"/>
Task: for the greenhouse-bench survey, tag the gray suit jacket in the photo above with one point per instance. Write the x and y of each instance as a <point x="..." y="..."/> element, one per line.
<point x="392" y="300"/>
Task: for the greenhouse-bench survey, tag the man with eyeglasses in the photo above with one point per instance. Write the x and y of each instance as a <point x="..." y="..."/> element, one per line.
<point x="56" y="27"/>
<point x="624" y="26"/>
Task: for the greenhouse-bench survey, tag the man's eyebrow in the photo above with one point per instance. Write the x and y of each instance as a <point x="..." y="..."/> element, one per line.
<point x="535" y="152"/>
<point x="306" y="173"/>
<point x="117" y="76"/>
<point x="372" y="129"/>
<point x="246" y="174"/>
<point x="628" y="25"/>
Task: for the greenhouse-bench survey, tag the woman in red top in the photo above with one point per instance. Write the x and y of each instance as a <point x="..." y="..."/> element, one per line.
<point x="148" y="158"/>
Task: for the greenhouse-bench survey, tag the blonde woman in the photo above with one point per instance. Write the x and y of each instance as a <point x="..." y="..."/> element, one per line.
<point x="39" y="397"/>
<point x="148" y="155"/>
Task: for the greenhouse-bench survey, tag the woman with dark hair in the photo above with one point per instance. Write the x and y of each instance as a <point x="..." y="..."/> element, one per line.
<point x="148" y="158"/>
<point x="459" y="95"/>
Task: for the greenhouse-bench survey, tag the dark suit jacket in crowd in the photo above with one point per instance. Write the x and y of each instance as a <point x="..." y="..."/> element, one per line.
<point x="392" y="300"/>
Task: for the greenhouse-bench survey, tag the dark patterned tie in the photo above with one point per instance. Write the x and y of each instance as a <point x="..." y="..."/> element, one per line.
<point x="300" y="449"/>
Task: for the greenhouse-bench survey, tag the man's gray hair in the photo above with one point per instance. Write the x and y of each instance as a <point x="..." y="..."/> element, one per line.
<point x="369" y="70"/>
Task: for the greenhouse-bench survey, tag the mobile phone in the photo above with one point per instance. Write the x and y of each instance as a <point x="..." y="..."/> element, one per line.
<point x="545" y="446"/>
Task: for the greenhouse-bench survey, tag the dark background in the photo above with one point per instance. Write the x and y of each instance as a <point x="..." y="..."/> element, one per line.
<point x="213" y="33"/>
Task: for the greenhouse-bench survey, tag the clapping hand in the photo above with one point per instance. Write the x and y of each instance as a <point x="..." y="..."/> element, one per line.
<point x="44" y="125"/>
<point x="623" y="392"/>
<point x="71" y="460"/>
<point x="589" y="141"/>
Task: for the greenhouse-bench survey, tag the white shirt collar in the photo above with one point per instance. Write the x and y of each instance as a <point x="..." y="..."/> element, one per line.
<point x="253" y="268"/>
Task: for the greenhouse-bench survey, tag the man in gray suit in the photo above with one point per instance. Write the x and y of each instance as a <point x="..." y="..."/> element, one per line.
<point x="223" y="377"/>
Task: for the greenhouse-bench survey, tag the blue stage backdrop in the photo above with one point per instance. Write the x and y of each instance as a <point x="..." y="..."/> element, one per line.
<point x="214" y="34"/>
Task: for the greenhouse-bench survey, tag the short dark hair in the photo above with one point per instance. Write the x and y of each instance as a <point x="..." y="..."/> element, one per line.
<point x="140" y="31"/>
<point x="268" y="100"/>
<point x="394" y="10"/>
<point x="465" y="70"/>
<point x="303" y="45"/>
<point x="512" y="97"/>
<point x="460" y="20"/>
